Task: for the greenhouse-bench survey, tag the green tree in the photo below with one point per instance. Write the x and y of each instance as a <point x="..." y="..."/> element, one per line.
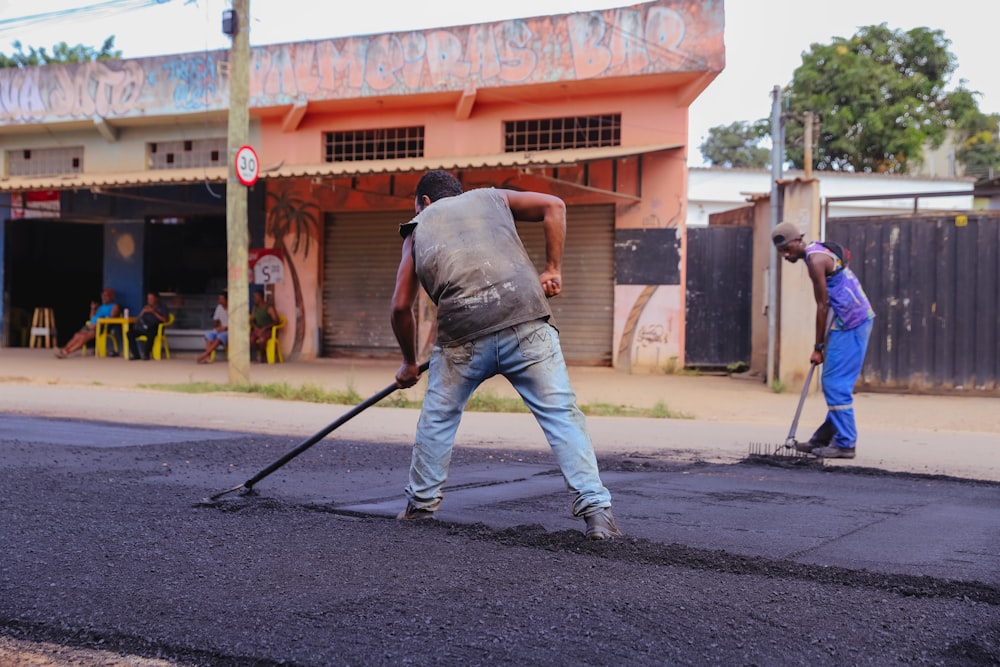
<point x="879" y="98"/>
<point x="61" y="53"/>
<point x="737" y="144"/>
<point x="977" y="134"/>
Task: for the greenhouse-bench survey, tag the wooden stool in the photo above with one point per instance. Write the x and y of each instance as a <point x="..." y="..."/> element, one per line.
<point x="43" y="328"/>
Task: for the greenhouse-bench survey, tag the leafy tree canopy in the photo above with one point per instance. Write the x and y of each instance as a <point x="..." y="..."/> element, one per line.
<point x="737" y="145"/>
<point x="879" y="98"/>
<point x="61" y="53"/>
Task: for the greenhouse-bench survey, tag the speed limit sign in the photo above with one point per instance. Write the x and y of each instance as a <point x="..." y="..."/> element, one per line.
<point x="247" y="166"/>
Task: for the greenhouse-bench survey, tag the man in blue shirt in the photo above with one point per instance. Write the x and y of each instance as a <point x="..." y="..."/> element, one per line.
<point x="842" y="353"/>
<point x="107" y="308"/>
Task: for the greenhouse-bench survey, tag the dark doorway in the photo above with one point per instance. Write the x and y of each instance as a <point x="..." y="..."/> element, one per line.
<point x="186" y="255"/>
<point x="53" y="264"/>
<point x="719" y="275"/>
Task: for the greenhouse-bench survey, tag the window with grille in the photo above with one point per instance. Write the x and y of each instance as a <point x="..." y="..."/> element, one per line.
<point x="45" y="161"/>
<point x="187" y="153"/>
<point x="549" y="134"/>
<point x="384" y="144"/>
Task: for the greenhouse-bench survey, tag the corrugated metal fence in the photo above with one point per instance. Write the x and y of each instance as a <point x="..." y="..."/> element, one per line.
<point x="934" y="282"/>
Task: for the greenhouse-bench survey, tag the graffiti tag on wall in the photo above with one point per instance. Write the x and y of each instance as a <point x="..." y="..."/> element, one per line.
<point x="104" y="89"/>
<point x="629" y="41"/>
<point x="652" y="38"/>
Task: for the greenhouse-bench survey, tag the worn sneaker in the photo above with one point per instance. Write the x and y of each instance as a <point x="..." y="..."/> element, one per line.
<point x="833" y="452"/>
<point x="412" y="513"/>
<point x="601" y="525"/>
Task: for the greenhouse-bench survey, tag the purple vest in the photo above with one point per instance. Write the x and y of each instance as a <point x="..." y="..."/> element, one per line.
<point x="848" y="300"/>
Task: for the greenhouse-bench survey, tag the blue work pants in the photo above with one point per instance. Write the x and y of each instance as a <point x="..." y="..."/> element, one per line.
<point x="845" y="355"/>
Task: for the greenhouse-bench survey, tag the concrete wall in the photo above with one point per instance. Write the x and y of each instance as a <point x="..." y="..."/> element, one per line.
<point x="796" y="304"/>
<point x="760" y="288"/>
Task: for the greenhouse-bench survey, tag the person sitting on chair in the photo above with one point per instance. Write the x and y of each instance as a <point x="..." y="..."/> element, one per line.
<point x="146" y="324"/>
<point x="107" y="308"/>
<point x="264" y="317"/>
<point x="218" y="335"/>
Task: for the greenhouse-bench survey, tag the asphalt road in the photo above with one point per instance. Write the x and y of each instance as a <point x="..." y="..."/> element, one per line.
<point x="111" y="557"/>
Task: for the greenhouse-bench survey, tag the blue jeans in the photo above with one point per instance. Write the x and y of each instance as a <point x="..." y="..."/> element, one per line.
<point x="222" y="336"/>
<point x="845" y="355"/>
<point x="530" y="357"/>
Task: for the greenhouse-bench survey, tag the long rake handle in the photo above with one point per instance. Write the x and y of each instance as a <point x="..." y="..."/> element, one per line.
<point x="312" y="440"/>
<point x="805" y="388"/>
<point x="798" y="410"/>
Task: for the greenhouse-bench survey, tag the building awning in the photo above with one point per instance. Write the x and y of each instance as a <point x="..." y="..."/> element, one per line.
<point x="127" y="179"/>
<point x="560" y="158"/>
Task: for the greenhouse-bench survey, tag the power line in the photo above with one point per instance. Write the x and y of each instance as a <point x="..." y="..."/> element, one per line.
<point x="84" y="11"/>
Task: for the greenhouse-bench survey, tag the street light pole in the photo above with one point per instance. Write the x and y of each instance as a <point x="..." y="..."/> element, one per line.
<point x="237" y="240"/>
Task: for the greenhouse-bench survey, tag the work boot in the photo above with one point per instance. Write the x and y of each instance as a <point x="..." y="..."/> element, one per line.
<point x="412" y="513"/>
<point x="834" y="452"/>
<point x="823" y="435"/>
<point x="806" y="447"/>
<point x="601" y="525"/>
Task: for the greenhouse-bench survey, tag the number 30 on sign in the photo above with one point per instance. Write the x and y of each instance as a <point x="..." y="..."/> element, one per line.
<point x="247" y="166"/>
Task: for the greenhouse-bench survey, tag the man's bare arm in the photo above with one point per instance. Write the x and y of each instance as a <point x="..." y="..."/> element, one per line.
<point x="819" y="266"/>
<point x="551" y="212"/>
<point x="404" y="324"/>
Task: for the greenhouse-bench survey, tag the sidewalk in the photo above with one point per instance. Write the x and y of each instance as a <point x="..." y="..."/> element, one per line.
<point x="721" y="416"/>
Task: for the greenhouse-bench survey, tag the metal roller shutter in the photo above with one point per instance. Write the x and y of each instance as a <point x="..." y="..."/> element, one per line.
<point x="359" y="274"/>
<point x="362" y="254"/>
<point x="584" y="312"/>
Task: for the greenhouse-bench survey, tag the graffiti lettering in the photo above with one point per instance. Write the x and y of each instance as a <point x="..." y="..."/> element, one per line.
<point x="613" y="42"/>
<point x="20" y="98"/>
<point x="517" y="60"/>
<point x="627" y="45"/>
<point x="664" y="32"/>
<point x="194" y="80"/>
<point x="586" y="34"/>
<point x="481" y="53"/>
<point x="96" y="88"/>
<point x="306" y="68"/>
<point x="383" y="59"/>
<point x="444" y="58"/>
<point x="651" y="334"/>
<point x="414" y="47"/>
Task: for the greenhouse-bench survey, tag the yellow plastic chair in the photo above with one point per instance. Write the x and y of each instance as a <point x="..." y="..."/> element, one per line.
<point x="211" y="356"/>
<point x="273" y="349"/>
<point x="160" y="348"/>
<point x="101" y="341"/>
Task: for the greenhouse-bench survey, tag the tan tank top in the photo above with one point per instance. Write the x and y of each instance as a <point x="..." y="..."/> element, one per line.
<point x="474" y="267"/>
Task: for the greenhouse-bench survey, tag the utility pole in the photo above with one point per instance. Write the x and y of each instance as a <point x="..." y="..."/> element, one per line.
<point x="777" y="157"/>
<point x="237" y="25"/>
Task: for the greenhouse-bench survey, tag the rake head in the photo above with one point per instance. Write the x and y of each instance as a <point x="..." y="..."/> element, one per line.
<point x="781" y="454"/>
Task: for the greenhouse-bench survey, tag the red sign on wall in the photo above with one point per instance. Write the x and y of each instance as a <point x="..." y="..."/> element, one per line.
<point x="39" y="204"/>
<point x="267" y="266"/>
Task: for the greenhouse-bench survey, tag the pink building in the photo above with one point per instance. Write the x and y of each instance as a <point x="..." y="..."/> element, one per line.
<point x="591" y="107"/>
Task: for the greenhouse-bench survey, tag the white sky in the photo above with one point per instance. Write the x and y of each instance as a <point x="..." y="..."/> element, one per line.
<point x="764" y="39"/>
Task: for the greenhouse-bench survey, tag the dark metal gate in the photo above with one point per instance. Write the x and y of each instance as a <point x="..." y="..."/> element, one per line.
<point x="933" y="282"/>
<point x="717" y="307"/>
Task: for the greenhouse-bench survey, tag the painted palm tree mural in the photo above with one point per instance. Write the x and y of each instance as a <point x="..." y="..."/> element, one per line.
<point x="293" y="223"/>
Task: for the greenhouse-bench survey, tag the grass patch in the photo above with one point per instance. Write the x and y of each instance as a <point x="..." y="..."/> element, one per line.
<point x="658" y="411"/>
<point x="309" y="393"/>
<point x="487" y="401"/>
<point x="481" y="401"/>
